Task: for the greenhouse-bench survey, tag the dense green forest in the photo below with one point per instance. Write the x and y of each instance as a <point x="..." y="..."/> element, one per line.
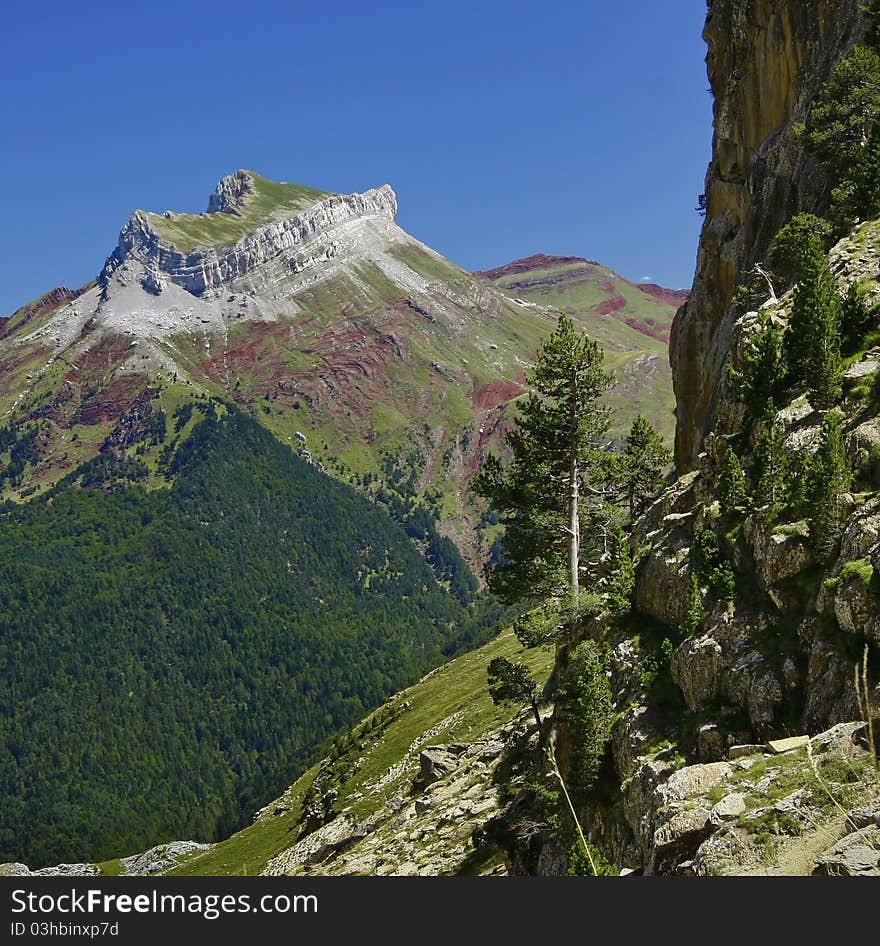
<point x="170" y="659"/>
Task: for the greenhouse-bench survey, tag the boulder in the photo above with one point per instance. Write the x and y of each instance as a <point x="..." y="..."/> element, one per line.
<point x="856" y="855"/>
<point x="778" y="746"/>
<point x="829" y="690"/>
<point x="678" y="839"/>
<point x="696" y="668"/>
<point x="858" y="371"/>
<point x="864" y="439"/>
<point x="729" y="808"/>
<point x="865" y="816"/>
<point x="663" y="584"/>
<point x="736" y="752"/>
<point x="710" y="745"/>
<point x="691" y="780"/>
<point x="853" y="606"/>
<point x="435" y="762"/>
<point x="779" y="556"/>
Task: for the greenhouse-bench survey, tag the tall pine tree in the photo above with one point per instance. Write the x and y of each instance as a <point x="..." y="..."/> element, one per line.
<point x="558" y="467"/>
<point x="770" y="466"/>
<point x="731" y="482"/>
<point x="644" y="460"/>
<point x="812" y="340"/>
<point x="830" y="478"/>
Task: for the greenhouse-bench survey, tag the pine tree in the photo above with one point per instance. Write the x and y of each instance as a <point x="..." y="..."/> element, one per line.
<point x="731" y="481"/>
<point x="558" y="467"/>
<point x="830" y="478"/>
<point x="856" y="318"/>
<point x="644" y="460"/>
<point x="760" y="370"/>
<point x="826" y="367"/>
<point x="786" y="254"/>
<point x="812" y="340"/>
<point x="513" y="683"/>
<point x="841" y="118"/>
<point x="769" y="473"/>
<point x="866" y="191"/>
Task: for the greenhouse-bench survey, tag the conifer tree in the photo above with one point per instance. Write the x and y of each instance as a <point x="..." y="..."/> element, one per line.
<point x="856" y="318"/>
<point x="770" y="465"/>
<point x="558" y="467"/>
<point x="841" y="117"/>
<point x="866" y="191"/>
<point x="731" y="481"/>
<point x="830" y="478"/>
<point x="643" y="462"/>
<point x="513" y="683"/>
<point x="812" y="340"/>
<point x="760" y="368"/>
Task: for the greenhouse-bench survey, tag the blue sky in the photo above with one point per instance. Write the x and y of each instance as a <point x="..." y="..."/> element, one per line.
<point x="505" y="128"/>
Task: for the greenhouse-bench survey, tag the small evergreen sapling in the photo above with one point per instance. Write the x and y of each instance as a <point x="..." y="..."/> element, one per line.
<point x="513" y="683"/>
<point x="770" y="468"/>
<point x="760" y="371"/>
<point x="812" y="340"/>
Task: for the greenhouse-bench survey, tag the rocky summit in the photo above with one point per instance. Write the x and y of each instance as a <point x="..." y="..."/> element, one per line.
<point x="316" y="313"/>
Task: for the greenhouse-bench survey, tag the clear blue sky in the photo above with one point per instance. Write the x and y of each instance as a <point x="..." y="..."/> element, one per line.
<point x="506" y="128"/>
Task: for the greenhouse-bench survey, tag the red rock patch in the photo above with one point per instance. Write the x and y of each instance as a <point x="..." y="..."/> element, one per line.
<point x="489" y="396"/>
<point x="529" y="263"/>
<point x="676" y="297"/>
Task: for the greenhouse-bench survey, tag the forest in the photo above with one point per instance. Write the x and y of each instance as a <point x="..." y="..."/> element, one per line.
<point x="172" y="658"/>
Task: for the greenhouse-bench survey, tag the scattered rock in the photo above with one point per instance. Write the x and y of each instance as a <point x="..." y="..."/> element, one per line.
<point x="736" y="752"/>
<point x="778" y="746"/>
<point x="730" y="807"/>
<point x="866" y="815"/>
<point x="856" y="855"/>
<point x="435" y="762"/>
<point x="161" y="857"/>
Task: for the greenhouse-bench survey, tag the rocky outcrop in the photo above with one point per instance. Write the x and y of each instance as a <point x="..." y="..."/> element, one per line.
<point x="437" y="828"/>
<point x="231" y="193"/>
<point x="142" y="254"/>
<point x="43" y="306"/>
<point x="752" y="814"/>
<point x="766" y="61"/>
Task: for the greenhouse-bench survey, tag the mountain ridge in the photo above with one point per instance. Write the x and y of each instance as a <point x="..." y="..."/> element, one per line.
<point x="331" y="321"/>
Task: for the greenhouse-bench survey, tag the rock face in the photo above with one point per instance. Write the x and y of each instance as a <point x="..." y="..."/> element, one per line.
<point x="766" y="61"/>
<point x="230" y="193"/>
<point x="209" y="268"/>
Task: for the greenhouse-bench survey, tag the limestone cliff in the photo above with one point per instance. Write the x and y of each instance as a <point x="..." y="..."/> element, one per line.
<point x="159" y="261"/>
<point x="766" y="61"/>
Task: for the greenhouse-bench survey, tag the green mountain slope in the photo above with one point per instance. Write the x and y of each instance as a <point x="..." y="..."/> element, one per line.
<point x="631" y="322"/>
<point x="314" y="313"/>
<point x="377" y="760"/>
<point x="170" y="657"/>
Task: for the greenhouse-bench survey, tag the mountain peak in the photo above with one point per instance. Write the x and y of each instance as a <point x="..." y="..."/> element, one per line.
<point x="231" y="193"/>
<point x="241" y="203"/>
